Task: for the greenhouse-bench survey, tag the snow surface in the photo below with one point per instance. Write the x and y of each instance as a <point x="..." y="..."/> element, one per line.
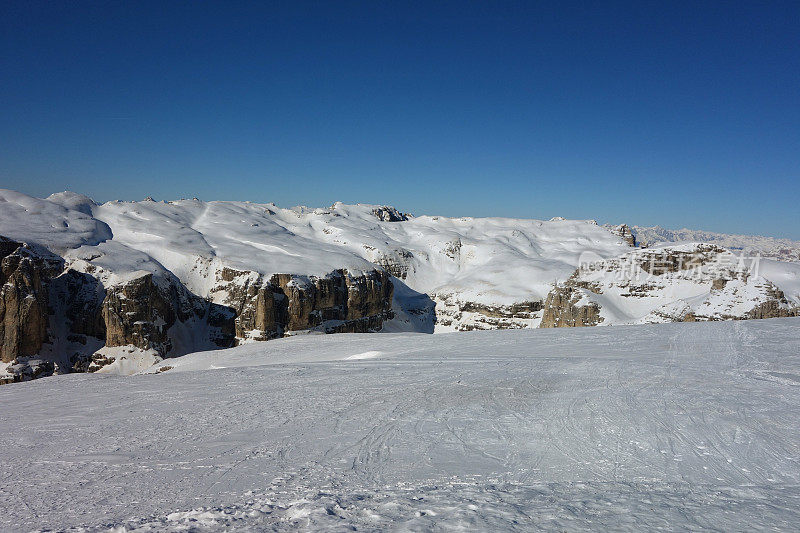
<point x="659" y="427"/>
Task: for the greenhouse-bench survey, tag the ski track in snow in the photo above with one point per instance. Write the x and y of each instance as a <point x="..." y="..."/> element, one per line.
<point x="663" y="427"/>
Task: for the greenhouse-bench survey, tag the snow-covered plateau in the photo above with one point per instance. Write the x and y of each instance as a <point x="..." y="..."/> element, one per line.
<point x="663" y="427"/>
<point x="119" y="286"/>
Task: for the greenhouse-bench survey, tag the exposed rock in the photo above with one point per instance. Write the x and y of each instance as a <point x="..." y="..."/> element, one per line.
<point x="338" y="302"/>
<point x="566" y="307"/>
<point x="772" y="309"/>
<point x="759" y="296"/>
<point x="693" y="282"/>
<point x="397" y="263"/>
<point x="77" y="300"/>
<point x="368" y="295"/>
<point x="24" y="273"/>
<point x="624" y="231"/>
<point x="142" y="311"/>
<point x="139" y="313"/>
<point x="661" y="261"/>
<point x="469" y="316"/>
<point x="452" y="249"/>
<point x="388" y="213"/>
<point x="517" y="310"/>
<point x="26" y="369"/>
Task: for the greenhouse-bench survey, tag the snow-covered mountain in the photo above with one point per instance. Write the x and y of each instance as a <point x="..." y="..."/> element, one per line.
<point x="117" y="286"/>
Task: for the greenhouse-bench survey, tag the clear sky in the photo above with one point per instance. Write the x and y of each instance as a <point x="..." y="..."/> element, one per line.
<point x="670" y="113"/>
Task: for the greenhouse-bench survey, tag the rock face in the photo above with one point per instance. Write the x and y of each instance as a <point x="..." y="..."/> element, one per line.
<point x="387" y="213"/>
<point x="23" y="299"/>
<point x="336" y="303"/>
<point x="139" y="313"/>
<point x="624" y="231"/>
<point x="694" y="282"/>
<point x="566" y="307"/>
<point x="397" y="262"/>
<point x="56" y="318"/>
<point x="469" y="316"/>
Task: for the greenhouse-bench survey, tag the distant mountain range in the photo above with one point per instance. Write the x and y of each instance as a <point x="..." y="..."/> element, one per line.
<point x="781" y="249"/>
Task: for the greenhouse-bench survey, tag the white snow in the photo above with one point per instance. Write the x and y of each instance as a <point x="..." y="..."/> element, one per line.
<point x="49" y="223"/>
<point x="668" y="427"/>
<point x="127" y="359"/>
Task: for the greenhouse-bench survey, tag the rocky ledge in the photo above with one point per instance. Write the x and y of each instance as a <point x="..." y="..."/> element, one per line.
<point x="458" y="315"/>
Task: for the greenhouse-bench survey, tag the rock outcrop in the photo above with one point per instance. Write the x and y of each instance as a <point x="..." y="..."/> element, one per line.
<point x="139" y="313"/>
<point x="55" y="318"/>
<point x="158" y="315"/>
<point x="397" y="262"/>
<point x="567" y="307"/>
<point x="335" y="303"/>
<point x="24" y="273"/>
<point x="387" y="213"/>
<point x="624" y="231"/>
<point x="469" y="316"/>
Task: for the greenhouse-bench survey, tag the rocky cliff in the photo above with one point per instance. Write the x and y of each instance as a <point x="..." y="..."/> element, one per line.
<point x="567" y="307"/>
<point x="624" y="232"/>
<point x="24" y="274"/>
<point x="338" y="302"/>
<point x="459" y="315"/>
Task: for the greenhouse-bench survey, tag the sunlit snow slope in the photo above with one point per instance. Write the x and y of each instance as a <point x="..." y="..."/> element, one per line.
<point x="485" y="261"/>
<point x="659" y="427"/>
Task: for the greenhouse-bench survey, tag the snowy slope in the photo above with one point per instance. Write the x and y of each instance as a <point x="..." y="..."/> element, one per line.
<point x="661" y="427"/>
<point x="488" y="261"/>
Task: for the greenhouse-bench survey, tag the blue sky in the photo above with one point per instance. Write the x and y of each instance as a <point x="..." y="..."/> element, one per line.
<point x="678" y="114"/>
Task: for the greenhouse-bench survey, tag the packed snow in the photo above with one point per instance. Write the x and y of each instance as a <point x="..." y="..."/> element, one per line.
<point x="661" y="427"/>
